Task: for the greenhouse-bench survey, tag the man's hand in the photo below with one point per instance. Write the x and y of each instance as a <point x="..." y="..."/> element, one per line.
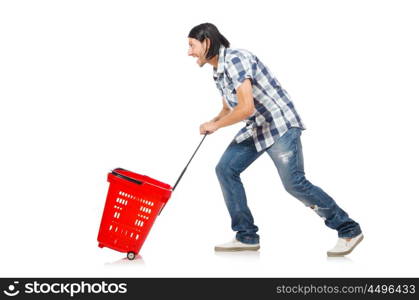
<point x="208" y="127"/>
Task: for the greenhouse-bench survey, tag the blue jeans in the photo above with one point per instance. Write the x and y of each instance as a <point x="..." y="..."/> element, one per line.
<point x="287" y="156"/>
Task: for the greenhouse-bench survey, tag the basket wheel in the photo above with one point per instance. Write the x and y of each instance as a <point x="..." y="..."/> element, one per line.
<point x="131" y="255"/>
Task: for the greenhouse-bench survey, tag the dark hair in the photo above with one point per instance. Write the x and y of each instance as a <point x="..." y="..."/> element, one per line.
<point x="208" y="30"/>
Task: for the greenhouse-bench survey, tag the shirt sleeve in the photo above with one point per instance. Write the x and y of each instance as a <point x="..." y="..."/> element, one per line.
<point x="239" y="69"/>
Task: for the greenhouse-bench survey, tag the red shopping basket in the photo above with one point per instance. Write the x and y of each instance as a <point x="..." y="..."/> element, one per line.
<point x="132" y="205"/>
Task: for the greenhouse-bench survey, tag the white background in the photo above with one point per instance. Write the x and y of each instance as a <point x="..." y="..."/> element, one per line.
<point x="88" y="86"/>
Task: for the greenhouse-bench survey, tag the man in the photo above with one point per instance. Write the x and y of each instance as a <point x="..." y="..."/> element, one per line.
<point x="251" y="93"/>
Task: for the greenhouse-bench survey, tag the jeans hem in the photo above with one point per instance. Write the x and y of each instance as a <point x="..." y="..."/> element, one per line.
<point x="350" y="234"/>
<point x="248" y="241"/>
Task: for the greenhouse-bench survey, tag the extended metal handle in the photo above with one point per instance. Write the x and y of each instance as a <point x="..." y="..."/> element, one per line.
<point x="183" y="172"/>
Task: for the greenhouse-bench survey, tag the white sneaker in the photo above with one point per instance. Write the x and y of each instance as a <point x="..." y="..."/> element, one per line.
<point x="344" y="247"/>
<point x="236" y="245"/>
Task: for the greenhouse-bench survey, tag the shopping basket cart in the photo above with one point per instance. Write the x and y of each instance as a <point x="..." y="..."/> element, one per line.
<point x="132" y="205"/>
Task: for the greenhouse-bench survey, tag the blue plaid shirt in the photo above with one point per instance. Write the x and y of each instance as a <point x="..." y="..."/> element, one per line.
<point x="274" y="112"/>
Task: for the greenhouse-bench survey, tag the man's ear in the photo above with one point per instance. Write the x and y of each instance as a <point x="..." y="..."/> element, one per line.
<point x="207" y="45"/>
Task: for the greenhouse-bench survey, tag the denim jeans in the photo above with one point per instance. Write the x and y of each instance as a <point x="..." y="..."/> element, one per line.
<point x="287" y="156"/>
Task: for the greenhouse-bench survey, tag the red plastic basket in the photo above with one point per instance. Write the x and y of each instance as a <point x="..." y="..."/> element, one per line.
<point x="132" y="205"/>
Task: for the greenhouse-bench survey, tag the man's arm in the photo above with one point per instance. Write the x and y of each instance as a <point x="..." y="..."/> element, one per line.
<point x="224" y="111"/>
<point x="244" y="109"/>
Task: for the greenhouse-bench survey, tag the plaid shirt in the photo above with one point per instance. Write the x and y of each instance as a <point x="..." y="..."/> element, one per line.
<point x="274" y="112"/>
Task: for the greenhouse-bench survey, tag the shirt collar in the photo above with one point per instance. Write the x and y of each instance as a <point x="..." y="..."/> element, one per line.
<point x="221" y="62"/>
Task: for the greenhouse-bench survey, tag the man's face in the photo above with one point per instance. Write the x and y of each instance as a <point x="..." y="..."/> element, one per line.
<point x="198" y="50"/>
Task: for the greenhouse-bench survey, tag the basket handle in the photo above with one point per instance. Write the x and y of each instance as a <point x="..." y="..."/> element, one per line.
<point x="114" y="172"/>
<point x="184" y="170"/>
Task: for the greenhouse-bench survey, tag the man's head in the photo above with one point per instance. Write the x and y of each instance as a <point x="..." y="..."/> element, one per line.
<point x="204" y="42"/>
